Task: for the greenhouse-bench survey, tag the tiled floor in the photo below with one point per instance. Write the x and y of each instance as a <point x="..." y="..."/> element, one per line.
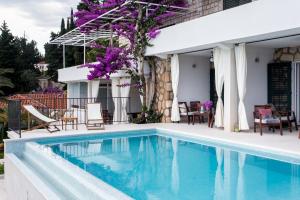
<point x="2" y="189"/>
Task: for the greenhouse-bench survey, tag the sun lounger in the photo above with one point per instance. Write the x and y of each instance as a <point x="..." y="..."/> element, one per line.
<point x="94" y="117"/>
<point x="46" y="122"/>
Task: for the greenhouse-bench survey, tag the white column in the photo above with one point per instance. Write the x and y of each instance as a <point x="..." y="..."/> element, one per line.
<point x="84" y="49"/>
<point x="64" y="56"/>
<point x="230" y="89"/>
<point x="69" y="94"/>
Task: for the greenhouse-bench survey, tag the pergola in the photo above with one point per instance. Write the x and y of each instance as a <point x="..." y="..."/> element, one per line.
<point x="77" y="37"/>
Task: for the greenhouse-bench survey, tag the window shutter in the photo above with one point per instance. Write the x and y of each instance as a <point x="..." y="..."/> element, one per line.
<point x="279" y="85"/>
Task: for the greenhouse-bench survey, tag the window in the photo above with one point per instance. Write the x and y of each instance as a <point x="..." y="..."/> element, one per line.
<point x="234" y="3"/>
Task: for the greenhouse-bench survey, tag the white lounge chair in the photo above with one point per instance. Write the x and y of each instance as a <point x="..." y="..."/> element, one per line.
<point x="46" y="122"/>
<point x="94" y="117"/>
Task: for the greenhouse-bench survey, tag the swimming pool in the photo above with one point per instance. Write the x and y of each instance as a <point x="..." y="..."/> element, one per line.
<point x="154" y="164"/>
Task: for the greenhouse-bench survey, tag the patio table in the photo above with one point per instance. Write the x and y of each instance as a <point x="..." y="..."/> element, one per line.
<point x="73" y="120"/>
<point x="200" y="115"/>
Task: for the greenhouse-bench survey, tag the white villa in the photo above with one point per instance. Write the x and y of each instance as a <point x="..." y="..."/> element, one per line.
<point x="251" y="49"/>
<point x="237" y="53"/>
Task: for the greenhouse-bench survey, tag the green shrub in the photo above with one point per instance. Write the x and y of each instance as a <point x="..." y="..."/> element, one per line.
<point x="147" y="116"/>
<point x="1" y="169"/>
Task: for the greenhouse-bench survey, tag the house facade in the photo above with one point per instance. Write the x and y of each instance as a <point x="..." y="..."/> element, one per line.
<point x="270" y="41"/>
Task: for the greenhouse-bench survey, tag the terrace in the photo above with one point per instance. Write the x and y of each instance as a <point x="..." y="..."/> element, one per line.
<point x="196" y="65"/>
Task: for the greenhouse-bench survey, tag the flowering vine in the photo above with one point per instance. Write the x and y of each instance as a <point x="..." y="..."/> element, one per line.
<point x="141" y="25"/>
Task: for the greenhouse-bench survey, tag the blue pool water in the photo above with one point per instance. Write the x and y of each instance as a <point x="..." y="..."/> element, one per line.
<point x="156" y="166"/>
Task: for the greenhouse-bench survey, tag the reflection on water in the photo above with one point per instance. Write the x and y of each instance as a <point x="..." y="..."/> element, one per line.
<point x="155" y="167"/>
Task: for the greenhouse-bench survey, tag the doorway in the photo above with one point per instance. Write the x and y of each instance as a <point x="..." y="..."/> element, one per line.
<point x="296" y="89"/>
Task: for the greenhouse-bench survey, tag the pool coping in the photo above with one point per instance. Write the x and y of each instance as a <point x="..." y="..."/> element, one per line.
<point x="248" y="146"/>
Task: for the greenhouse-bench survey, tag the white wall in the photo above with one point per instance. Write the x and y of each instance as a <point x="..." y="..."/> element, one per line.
<point x="253" y="21"/>
<point x="193" y="82"/>
<point x="257" y="79"/>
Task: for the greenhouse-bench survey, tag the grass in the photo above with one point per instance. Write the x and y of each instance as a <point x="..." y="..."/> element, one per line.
<point x="1" y="169"/>
<point x="1" y="155"/>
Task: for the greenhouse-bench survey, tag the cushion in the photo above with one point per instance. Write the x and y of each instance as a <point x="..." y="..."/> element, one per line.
<point x="268" y="120"/>
<point x="265" y="112"/>
<point x="182" y="109"/>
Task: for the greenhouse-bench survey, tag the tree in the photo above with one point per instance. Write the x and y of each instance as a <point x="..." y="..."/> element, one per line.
<point x="4" y="81"/>
<point x="20" y="55"/>
<point x="141" y="26"/>
<point x="72" y="23"/>
<point x="28" y="80"/>
<point x="54" y="57"/>
<point x="62" y="27"/>
<point x="54" y="53"/>
<point x="8" y="49"/>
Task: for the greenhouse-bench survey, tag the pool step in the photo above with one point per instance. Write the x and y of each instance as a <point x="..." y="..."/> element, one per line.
<point x="69" y="181"/>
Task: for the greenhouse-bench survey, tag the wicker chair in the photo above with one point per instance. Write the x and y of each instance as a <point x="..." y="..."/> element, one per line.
<point x="272" y="122"/>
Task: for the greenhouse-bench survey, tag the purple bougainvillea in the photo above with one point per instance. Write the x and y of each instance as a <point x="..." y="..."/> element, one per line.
<point x="141" y="26"/>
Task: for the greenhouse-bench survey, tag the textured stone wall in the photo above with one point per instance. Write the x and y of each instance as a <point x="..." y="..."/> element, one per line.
<point x="287" y="54"/>
<point x="163" y="88"/>
<point x="198" y="8"/>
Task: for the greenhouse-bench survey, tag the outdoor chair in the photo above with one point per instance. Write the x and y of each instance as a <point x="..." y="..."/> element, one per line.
<point x="185" y="112"/>
<point x="46" y="122"/>
<point x="211" y="118"/>
<point x="195" y="106"/>
<point x="94" y="117"/>
<point x="289" y="118"/>
<point x="264" y="116"/>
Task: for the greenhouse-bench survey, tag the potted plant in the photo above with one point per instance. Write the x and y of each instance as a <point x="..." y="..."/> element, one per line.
<point x="208" y="105"/>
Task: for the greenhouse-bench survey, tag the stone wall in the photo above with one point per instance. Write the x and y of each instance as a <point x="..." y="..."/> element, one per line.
<point x="163" y="88"/>
<point x="287" y="54"/>
<point x="198" y="8"/>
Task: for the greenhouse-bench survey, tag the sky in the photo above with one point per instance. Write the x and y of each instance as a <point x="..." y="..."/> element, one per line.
<point x="35" y="18"/>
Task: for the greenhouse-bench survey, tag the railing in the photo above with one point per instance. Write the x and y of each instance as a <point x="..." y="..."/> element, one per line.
<point x="59" y="107"/>
<point x="14" y="116"/>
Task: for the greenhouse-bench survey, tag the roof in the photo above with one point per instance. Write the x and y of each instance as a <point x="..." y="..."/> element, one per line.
<point x="76" y="38"/>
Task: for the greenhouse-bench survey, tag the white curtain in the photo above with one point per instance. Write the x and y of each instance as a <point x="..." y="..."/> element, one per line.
<point x="218" y="194"/>
<point x="115" y="90"/>
<point x="150" y="87"/>
<point x="124" y="91"/>
<point x="219" y="82"/>
<point x="175" y="173"/>
<point x="241" y="71"/>
<point x="94" y="87"/>
<point x="175" y="117"/>
<point x="240" y="194"/>
<point x="139" y="63"/>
